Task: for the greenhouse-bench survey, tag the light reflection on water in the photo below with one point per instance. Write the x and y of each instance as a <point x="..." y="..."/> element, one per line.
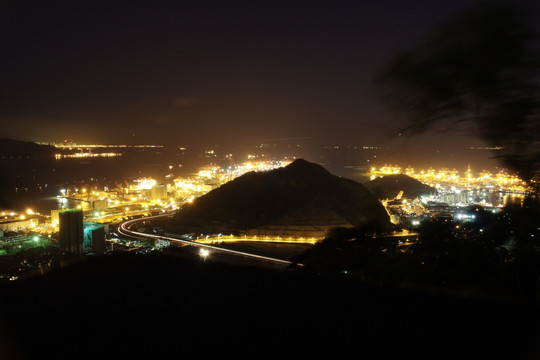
<point x="35" y="183"/>
<point x="38" y="182"/>
<point x="488" y="198"/>
<point x="44" y="204"/>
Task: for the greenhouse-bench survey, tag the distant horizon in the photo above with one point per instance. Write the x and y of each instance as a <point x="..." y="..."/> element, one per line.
<point x="337" y="157"/>
<point x="478" y="145"/>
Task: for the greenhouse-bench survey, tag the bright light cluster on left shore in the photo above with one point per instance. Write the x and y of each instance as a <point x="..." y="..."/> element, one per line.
<point x="85" y="155"/>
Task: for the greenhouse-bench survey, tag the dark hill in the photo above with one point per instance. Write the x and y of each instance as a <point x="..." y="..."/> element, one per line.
<point x="9" y="147"/>
<point x="389" y="186"/>
<point x="300" y="194"/>
<point x="159" y="307"/>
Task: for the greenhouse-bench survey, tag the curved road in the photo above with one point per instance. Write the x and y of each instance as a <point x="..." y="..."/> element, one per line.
<point x="125" y="230"/>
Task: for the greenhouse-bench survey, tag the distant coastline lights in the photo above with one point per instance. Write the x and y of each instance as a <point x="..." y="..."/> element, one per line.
<point x="85" y="155"/>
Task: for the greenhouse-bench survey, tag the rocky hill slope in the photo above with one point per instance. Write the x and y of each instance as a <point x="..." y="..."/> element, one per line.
<point x="301" y="197"/>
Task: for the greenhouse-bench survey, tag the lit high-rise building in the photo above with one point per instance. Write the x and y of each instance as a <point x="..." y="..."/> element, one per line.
<point x="71" y="230"/>
<point x="158" y="192"/>
<point x="94" y="238"/>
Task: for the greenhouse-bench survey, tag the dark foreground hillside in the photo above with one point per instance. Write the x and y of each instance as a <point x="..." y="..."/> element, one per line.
<point x="153" y="306"/>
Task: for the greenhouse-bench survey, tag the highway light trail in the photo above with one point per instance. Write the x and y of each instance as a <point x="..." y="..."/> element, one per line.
<point x="124" y="229"/>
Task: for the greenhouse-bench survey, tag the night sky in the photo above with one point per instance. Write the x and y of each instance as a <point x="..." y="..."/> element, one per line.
<point x="185" y="72"/>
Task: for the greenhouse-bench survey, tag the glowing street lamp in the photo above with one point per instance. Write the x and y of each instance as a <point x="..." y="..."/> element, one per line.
<point x="204" y="253"/>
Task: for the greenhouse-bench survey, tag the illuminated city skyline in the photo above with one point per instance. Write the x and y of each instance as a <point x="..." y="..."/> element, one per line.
<point x="304" y="179"/>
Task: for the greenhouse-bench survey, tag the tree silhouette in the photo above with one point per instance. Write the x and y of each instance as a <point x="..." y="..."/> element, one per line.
<point x="479" y="69"/>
